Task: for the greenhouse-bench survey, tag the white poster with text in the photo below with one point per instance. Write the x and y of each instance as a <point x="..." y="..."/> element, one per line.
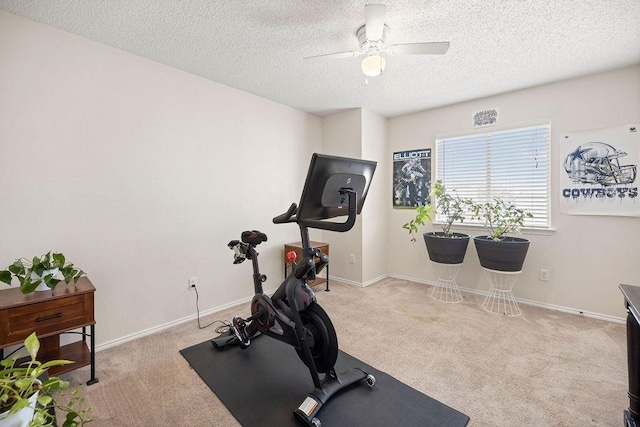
<point x="598" y="171"/>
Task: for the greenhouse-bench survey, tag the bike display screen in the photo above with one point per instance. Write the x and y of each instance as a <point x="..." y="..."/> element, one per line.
<point x="328" y="175"/>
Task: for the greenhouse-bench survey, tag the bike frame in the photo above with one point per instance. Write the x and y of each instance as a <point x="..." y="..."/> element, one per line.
<point x="293" y="296"/>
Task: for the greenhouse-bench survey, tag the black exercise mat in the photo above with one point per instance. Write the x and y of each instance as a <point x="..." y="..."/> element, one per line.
<point x="265" y="383"/>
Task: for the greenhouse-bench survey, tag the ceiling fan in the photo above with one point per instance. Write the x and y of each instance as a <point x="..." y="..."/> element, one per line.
<point x="372" y="37"/>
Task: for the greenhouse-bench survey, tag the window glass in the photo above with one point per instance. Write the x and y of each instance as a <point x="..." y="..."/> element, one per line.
<point x="509" y="164"/>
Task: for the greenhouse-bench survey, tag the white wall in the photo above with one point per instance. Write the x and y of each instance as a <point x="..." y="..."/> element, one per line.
<point x="342" y="136"/>
<point x="141" y="174"/>
<point x="375" y="214"/>
<point x="362" y="134"/>
<point x="587" y="256"/>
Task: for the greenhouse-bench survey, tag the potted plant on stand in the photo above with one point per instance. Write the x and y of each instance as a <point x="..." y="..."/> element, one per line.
<point x="27" y="393"/>
<point x="41" y="273"/>
<point x="445" y="247"/>
<point x="501" y="256"/>
<point x="497" y="250"/>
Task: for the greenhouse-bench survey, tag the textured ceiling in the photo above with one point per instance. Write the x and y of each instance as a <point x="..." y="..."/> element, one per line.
<point x="257" y="46"/>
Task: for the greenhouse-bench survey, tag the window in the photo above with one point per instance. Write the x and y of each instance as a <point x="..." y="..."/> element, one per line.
<point x="510" y="164"/>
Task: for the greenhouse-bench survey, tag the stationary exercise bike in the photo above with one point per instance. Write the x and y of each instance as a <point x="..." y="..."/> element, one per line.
<point x="335" y="186"/>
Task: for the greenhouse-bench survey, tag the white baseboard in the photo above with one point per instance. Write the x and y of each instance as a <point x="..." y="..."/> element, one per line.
<point x="346" y="281"/>
<point x="413" y="279"/>
<point x="376" y="280"/>
<point x="168" y="325"/>
<point x="570" y="310"/>
<point x="358" y="284"/>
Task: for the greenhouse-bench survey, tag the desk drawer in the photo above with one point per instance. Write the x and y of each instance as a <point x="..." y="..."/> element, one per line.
<point x="46" y="318"/>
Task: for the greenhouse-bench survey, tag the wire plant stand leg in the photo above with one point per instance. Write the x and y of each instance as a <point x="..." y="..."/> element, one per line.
<point x="500" y="299"/>
<point x="446" y="288"/>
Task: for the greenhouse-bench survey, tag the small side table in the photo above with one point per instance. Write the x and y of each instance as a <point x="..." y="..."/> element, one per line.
<point x="446" y="289"/>
<point x="50" y="314"/>
<point x="297" y="248"/>
<point x="500" y="299"/>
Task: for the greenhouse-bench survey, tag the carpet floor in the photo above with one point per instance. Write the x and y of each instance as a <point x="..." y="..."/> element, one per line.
<point x="543" y="368"/>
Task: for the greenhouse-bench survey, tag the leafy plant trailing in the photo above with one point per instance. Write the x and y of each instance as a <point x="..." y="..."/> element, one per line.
<point x="19" y="383"/>
<point x="445" y="247"/>
<point x="499" y="217"/>
<point x="30" y="273"/>
<point x="451" y="207"/>
<point x="498" y="251"/>
<point x="423" y="215"/>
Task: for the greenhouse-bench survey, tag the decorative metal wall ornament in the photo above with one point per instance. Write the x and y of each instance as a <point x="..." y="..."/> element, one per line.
<point x="598" y="174"/>
<point x="485" y="118"/>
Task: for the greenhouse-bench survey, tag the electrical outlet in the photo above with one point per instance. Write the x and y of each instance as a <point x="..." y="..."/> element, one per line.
<point x="544" y="275"/>
<point x="352" y="259"/>
<point x="193" y="281"/>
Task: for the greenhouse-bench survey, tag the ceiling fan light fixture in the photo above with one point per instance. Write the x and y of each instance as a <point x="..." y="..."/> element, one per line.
<point x="373" y="65"/>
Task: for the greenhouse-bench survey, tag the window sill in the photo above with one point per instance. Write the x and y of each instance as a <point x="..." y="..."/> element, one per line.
<point x="479" y="230"/>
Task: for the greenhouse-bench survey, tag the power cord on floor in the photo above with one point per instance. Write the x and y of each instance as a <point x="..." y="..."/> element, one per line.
<point x="220" y="329"/>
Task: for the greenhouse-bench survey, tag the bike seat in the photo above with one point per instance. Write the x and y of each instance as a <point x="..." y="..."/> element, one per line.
<point x="253" y="237"/>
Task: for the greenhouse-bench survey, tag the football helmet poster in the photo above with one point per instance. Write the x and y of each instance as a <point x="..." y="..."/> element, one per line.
<point x="598" y="173"/>
<point x="411" y="178"/>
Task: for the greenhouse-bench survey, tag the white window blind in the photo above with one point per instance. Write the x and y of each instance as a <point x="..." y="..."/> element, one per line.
<point x="510" y="164"/>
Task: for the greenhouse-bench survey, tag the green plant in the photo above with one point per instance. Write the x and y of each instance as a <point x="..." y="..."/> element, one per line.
<point x="29" y="273"/>
<point x="499" y="217"/>
<point x="423" y="214"/>
<point x="451" y="207"/>
<point x="19" y="383"/>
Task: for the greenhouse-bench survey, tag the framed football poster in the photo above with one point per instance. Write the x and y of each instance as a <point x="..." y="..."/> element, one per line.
<point x="411" y="178"/>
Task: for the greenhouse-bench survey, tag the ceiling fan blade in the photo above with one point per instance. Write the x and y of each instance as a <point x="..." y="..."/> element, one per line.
<point x="374" y="20"/>
<point x="329" y="56"/>
<point x="432" y="48"/>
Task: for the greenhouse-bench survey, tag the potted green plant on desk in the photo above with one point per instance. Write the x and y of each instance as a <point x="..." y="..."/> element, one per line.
<point x="497" y="250"/>
<point x="41" y="273"/>
<point x="28" y="394"/>
<point x="446" y="246"/>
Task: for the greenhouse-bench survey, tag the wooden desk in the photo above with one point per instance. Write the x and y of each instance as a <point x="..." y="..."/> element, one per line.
<point x="50" y="314"/>
<point x="297" y="248"/>
<point x="632" y="302"/>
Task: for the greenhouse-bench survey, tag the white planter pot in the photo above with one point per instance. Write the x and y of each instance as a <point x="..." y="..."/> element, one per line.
<point x="43" y="286"/>
<point x="23" y="417"/>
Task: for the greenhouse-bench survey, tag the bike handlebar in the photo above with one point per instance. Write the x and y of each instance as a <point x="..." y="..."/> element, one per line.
<point x="337" y="226"/>
<point x="290" y="216"/>
<point x="287" y="216"/>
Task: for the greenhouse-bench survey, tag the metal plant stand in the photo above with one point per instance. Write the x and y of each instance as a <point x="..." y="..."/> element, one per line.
<point x="500" y="299"/>
<point x="446" y="288"/>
